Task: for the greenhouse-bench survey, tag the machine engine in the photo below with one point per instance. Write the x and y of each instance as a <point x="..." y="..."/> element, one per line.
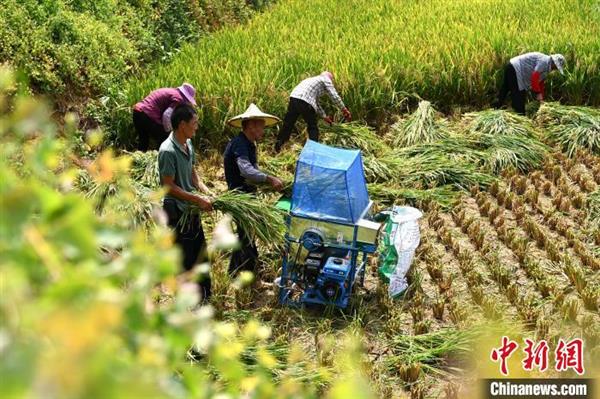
<point x="325" y="270"/>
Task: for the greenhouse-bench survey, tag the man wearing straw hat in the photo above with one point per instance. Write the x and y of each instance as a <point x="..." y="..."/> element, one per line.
<point x="152" y="115"/>
<point x="524" y="72"/>
<point x="304" y="101"/>
<point x="242" y="173"/>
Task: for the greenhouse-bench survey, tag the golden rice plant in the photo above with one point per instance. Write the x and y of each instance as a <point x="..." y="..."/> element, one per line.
<point x="571" y="309"/>
<point x="477" y="294"/>
<point x="409" y="373"/>
<point x="422" y="327"/>
<point x="543" y="325"/>
<point x="508" y="139"/>
<point x="265" y="223"/>
<point x="239" y="65"/>
<point x="438" y="307"/>
<point x="144" y="168"/>
<point x="591" y="297"/>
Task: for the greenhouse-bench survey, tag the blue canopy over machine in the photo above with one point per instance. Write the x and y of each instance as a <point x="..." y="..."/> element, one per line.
<point x="329" y="184"/>
<point x="328" y="227"/>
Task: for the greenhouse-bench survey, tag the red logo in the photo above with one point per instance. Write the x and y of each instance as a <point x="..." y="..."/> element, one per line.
<point x="536" y="355"/>
<point x="503" y="353"/>
<point x="568" y="355"/>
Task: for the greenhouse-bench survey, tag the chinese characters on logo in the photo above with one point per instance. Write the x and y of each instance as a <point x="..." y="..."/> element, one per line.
<point x="568" y="355"/>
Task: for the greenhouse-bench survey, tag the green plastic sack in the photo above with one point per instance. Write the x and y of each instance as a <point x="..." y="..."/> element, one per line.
<point x="388" y="256"/>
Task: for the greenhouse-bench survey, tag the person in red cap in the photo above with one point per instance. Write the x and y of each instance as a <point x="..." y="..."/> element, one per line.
<point x="304" y="101"/>
<point x="152" y="115"/>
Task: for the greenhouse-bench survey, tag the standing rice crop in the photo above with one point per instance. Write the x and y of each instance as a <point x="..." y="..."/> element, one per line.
<point x="380" y="51"/>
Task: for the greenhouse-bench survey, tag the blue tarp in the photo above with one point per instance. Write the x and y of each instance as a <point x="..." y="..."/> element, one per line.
<point x="329" y="184"/>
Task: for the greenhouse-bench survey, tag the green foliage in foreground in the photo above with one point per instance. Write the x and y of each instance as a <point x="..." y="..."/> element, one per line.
<point x="78" y="47"/>
<point x="81" y="313"/>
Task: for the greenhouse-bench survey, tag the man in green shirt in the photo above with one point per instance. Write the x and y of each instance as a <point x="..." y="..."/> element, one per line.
<point x="176" y="161"/>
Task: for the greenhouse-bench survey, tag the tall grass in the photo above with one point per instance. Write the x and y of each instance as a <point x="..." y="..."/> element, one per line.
<point x="451" y="53"/>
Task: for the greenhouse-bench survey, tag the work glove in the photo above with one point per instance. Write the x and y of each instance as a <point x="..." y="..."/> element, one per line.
<point x="328" y="120"/>
<point x="347" y="114"/>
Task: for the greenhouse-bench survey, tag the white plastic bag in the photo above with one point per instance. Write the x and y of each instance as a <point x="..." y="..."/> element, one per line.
<point x="406" y="238"/>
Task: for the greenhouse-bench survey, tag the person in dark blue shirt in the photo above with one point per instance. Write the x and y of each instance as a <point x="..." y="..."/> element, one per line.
<point x="242" y="173"/>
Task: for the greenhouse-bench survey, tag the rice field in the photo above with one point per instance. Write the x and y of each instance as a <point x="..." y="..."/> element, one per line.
<point x="510" y="241"/>
<point x="510" y="237"/>
<point x="519" y="252"/>
<point x="382" y="53"/>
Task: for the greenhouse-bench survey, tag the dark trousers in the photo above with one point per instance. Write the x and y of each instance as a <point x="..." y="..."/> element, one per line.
<point x="298" y="108"/>
<point x="145" y="129"/>
<point x="511" y="85"/>
<point x="246" y="257"/>
<point x="190" y="238"/>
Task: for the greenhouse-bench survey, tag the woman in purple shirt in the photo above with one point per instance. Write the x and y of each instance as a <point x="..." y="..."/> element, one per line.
<point x="152" y="115"/>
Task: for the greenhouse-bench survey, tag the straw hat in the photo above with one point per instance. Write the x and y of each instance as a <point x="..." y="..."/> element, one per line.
<point x="253" y="112"/>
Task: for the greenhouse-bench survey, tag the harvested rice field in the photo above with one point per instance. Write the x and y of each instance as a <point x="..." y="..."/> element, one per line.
<point x="505" y="281"/>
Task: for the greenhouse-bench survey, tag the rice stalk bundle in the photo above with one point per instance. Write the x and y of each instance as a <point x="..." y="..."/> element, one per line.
<point x="258" y="220"/>
<point x="284" y="164"/>
<point x="99" y="192"/>
<point x="518" y="151"/>
<point x="445" y="196"/>
<point x="571" y="127"/>
<point x="382" y="169"/>
<point x="455" y="146"/>
<point x="439" y="170"/>
<point x="498" y="122"/>
<point x="139" y="208"/>
<point x="507" y="140"/>
<point x="422" y="126"/>
<point x="432" y="349"/>
<point x="354" y="135"/>
<point x="144" y="168"/>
